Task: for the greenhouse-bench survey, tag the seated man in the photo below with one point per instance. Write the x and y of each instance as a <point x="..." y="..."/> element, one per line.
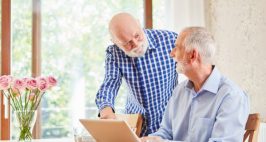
<point x="208" y="106"/>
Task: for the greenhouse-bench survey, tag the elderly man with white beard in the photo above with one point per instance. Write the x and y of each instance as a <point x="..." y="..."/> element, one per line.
<point x="207" y="107"/>
<point x="140" y="57"/>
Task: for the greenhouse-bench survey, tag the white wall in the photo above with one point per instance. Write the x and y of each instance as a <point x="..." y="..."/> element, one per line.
<point x="239" y="27"/>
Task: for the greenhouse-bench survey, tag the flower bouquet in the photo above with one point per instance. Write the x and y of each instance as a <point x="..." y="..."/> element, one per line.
<point x="25" y="96"/>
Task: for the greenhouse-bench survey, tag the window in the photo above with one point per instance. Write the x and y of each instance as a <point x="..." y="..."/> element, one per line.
<point x="73" y="42"/>
<point x="74" y="39"/>
<point x="21" y="25"/>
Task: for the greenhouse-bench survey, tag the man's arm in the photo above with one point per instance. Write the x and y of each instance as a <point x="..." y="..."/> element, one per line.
<point x="165" y="130"/>
<point x="231" y="118"/>
<point x="109" y="89"/>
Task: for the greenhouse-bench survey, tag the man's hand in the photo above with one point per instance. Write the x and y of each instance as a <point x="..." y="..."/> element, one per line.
<point x="151" y="139"/>
<point x="107" y="113"/>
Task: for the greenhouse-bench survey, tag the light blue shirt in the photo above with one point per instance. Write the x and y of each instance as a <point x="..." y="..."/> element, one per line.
<point x="216" y="113"/>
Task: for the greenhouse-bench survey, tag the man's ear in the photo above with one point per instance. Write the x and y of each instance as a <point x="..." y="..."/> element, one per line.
<point x="193" y="55"/>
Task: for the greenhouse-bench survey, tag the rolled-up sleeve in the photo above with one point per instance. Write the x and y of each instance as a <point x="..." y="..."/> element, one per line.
<point x="111" y="84"/>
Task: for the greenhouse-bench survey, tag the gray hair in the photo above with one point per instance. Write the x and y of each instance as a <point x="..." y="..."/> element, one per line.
<point x="199" y="38"/>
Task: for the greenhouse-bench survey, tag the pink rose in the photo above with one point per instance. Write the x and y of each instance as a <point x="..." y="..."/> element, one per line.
<point x="51" y="81"/>
<point x="25" y="79"/>
<point x="5" y="82"/>
<point x="43" y="87"/>
<point x="19" y="84"/>
<point x="42" y="84"/>
<point x="9" y="78"/>
<point x="41" y="80"/>
<point x="31" y="83"/>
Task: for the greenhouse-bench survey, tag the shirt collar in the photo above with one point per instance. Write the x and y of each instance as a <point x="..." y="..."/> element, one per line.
<point x="211" y="84"/>
<point x="151" y="40"/>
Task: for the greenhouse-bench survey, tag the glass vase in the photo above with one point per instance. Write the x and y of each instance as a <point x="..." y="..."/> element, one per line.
<point x="24" y="122"/>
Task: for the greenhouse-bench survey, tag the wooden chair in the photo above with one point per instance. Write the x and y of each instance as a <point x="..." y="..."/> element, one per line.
<point x="134" y="121"/>
<point x="252" y="128"/>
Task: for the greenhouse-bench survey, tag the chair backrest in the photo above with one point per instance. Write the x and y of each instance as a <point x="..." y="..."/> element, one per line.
<point x="252" y="127"/>
<point x="134" y="121"/>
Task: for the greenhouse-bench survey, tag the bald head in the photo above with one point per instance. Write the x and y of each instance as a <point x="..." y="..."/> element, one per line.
<point x="123" y="24"/>
<point x="128" y="35"/>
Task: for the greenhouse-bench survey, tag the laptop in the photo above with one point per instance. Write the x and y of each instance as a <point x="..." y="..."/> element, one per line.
<point x="109" y="130"/>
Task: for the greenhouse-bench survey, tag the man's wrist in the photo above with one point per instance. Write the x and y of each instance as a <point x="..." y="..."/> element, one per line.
<point x="106" y="109"/>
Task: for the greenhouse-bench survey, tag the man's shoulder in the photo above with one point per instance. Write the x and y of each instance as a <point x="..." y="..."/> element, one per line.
<point x="113" y="49"/>
<point x="160" y="37"/>
<point x="115" y="52"/>
<point x="228" y="87"/>
<point x="180" y="88"/>
<point x="160" y="33"/>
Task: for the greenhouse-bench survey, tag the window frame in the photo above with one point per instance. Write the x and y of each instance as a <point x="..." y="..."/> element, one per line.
<point x="36" y="54"/>
<point x="5" y="63"/>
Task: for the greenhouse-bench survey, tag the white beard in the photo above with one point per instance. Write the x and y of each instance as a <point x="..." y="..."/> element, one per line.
<point x="180" y="67"/>
<point x="139" y="51"/>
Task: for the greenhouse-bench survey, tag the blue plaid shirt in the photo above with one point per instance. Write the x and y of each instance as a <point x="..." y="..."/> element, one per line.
<point x="150" y="79"/>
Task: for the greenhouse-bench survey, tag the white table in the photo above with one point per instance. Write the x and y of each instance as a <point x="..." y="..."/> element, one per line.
<point x="45" y="140"/>
<point x="87" y="139"/>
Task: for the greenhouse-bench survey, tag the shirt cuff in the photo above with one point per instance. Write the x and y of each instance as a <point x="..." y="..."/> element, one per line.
<point x="104" y="105"/>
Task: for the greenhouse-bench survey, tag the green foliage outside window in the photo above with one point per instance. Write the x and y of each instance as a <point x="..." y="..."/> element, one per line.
<point x="74" y="38"/>
<point x="73" y="41"/>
